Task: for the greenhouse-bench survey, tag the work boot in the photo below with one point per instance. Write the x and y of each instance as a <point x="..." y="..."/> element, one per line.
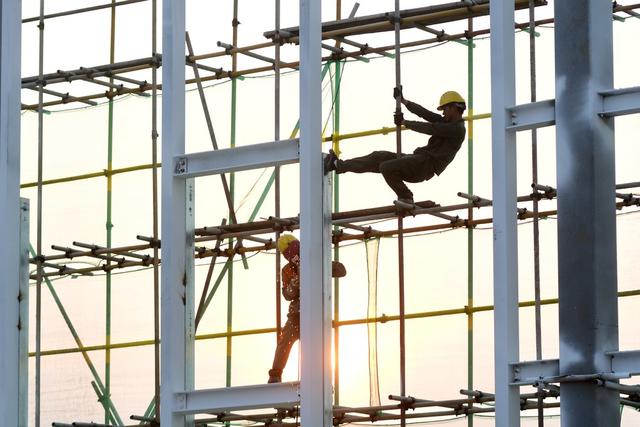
<point x="275" y="376"/>
<point x="330" y="162"/>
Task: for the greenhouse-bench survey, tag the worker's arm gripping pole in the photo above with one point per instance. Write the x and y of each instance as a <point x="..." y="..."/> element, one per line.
<point x="505" y="249"/>
<point x="315" y="215"/>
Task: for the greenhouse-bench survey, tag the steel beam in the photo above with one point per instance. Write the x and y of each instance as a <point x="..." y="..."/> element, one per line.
<point x="532" y="371"/>
<point x="627" y="362"/>
<point x="621" y="364"/>
<point x="315" y="237"/>
<point x="505" y="248"/>
<point x="586" y="209"/>
<point x="237" y="398"/>
<point x="236" y="159"/>
<point x="10" y="35"/>
<point x="615" y="102"/>
<point x="618" y="102"/>
<point x="177" y="241"/>
<point x="532" y="115"/>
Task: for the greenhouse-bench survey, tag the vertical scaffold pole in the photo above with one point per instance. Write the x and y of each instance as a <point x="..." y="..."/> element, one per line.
<point x="585" y="157"/>
<point x="177" y="323"/>
<point x="315" y="229"/>
<point x="109" y="225"/>
<point x="10" y="36"/>
<point x="398" y="82"/>
<point x="336" y="251"/>
<point x="232" y="182"/>
<point x="336" y="208"/>
<point x="470" y="47"/>
<point x="505" y="249"/>
<point x="154" y="183"/>
<point x="536" y="218"/>
<point x="39" y="257"/>
<point x="276" y="172"/>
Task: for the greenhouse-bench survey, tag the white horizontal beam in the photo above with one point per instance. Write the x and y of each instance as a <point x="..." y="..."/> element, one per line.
<point x="625" y="362"/>
<point x="236" y="159"/>
<point x="532" y="115"/>
<point x="616" y="102"/>
<point x="531" y="371"/>
<point x="619" y="102"/>
<point x="218" y="400"/>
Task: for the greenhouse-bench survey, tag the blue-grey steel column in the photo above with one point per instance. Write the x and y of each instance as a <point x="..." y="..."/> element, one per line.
<point x="175" y="240"/>
<point x="10" y="36"/>
<point x="586" y="209"/>
<point x="23" y="321"/>
<point x="505" y="235"/>
<point x="315" y="237"/>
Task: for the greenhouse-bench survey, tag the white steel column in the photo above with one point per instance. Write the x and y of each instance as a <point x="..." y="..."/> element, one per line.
<point x="505" y="248"/>
<point x="23" y="321"/>
<point x="189" y="314"/>
<point x="9" y="210"/>
<point x="315" y="298"/>
<point x="176" y="241"/>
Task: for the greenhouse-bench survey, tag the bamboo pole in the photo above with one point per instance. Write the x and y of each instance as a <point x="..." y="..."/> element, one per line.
<point x="336" y="207"/>
<point x="536" y="219"/>
<point x="81" y="10"/>
<point x="155" y="210"/>
<point x="63" y="77"/>
<point x="106" y="400"/>
<point x="470" y="249"/>
<point x="334" y="138"/>
<point x="426" y="15"/>
<point x="146" y="63"/>
<point x="398" y="84"/>
<point x="214" y="142"/>
<point x="232" y="178"/>
<point x="207" y="282"/>
<point x="39" y="266"/>
<point x="379" y="319"/>
<point x="264" y="227"/>
<point x="276" y="172"/>
<point x="109" y="226"/>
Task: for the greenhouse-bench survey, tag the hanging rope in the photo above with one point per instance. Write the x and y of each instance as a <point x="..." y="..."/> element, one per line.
<point x="372" y="246"/>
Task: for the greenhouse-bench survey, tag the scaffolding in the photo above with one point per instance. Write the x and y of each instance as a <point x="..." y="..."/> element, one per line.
<point x="237" y="239"/>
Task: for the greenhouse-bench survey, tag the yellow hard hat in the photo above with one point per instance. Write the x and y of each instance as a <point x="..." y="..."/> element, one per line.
<point x="284" y="241"/>
<point x="451" y="97"/>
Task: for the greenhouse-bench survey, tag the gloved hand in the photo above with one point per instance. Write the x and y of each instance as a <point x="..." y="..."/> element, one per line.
<point x="397" y="92"/>
<point x="398" y="118"/>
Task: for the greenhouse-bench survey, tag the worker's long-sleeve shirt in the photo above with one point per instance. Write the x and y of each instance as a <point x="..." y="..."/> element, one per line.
<point x="446" y="137"/>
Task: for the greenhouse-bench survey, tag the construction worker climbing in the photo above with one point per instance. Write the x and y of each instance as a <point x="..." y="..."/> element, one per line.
<point x="447" y="134"/>
<point x="289" y="247"/>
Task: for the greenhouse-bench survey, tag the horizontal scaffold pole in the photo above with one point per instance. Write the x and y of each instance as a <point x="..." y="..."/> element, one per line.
<point x="270" y="226"/>
<point x="218" y="73"/>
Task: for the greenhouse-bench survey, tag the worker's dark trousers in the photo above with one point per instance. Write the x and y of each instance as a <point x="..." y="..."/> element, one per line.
<point x="394" y="169"/>
<point x="290" y="334"/>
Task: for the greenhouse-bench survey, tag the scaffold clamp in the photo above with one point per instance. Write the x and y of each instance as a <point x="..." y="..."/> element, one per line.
<point x="181" y="166"/>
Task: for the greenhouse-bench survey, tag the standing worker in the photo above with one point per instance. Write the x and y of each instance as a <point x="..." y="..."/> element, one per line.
<point x="447" y="134"/>
<point x="289" y="247"/>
